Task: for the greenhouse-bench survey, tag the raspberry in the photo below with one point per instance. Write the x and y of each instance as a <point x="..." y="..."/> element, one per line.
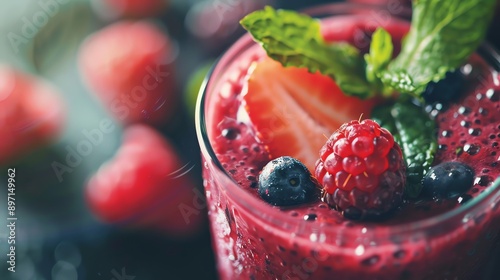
<point x="361" y="170"/>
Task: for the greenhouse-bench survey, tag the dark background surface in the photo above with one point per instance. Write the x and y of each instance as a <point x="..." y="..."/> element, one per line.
<point x="58" y="238"/>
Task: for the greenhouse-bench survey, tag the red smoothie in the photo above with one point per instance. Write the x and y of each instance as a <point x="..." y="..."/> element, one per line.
<point x="423" y="239"/>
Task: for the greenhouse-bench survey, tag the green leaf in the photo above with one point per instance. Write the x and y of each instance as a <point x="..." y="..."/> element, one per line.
<point x="442" y="36"/>
<point x="399" y="81"/>
<point x="380" y="55"/>
<point x="57" y="42"/>
<point x="414" y="131"/>
<point x="295" y="39"/>
<point x="382" y="115"/>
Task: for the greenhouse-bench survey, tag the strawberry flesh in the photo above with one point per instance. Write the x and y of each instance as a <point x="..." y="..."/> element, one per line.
<point x="293" y="106"/>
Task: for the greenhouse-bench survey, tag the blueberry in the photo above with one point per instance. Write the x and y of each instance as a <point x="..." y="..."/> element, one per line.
<point x="286" y="181"/>
<point x="446" y="90"/>
<point x="448" y="180"/>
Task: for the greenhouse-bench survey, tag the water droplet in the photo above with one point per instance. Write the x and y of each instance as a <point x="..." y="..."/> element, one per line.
<point x="483" y="180"/>
<point x="443" y="147"/>
<point x="464" y="110"/>
<point x="360" y="250"/>
<point x="464" y="198"/>
<point x="483" y="111"/>
<point x="493" y="95"/>
<point x="310" y="217"/>
<point x="472" y="149"/>
<point x="447" y="133"/>
<point x="370" y="261"/>
<point x="475" y="131"/>
<point x="230" y="133"/>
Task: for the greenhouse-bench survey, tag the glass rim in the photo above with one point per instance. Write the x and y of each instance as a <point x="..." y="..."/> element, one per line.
<point x="485" y="50"/>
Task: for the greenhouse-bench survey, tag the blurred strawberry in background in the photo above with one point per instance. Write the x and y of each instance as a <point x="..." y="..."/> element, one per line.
<point x="384" y="2"/>
<point x="146" y="185"/>
<point x="215" y="22"/>
<point x="129" y="8"/>
<point x="128" y="65"/>
<point x="31" y="113"/>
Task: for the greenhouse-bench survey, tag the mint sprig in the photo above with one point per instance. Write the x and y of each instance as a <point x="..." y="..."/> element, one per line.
<point x="414" y="131"/>
<point x="295" y="39"/>
<point x="380" y="55"/>
<point x="442" y="36"/>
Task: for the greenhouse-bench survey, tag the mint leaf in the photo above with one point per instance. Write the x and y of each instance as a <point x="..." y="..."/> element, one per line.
<point x="295" y="39"/>
<point x="380" y="55"/>
<point x="415" y="133"/>
<point x="399" y="81"/>
<point x="442" y="36"/>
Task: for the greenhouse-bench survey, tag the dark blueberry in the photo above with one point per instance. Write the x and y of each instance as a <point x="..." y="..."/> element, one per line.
<point x="445" y="90"/>
<point x="448" y="180"/>
<point x="286" y="181"/>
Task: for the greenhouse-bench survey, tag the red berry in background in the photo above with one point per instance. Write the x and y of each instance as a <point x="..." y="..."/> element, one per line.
<point x="130" y="8"/>
<point x="31" y="113"/>
<point x="215" y="22"/>
<point x="362" y="171"/>
<point x="128" y="65"/>
<point x="391" y="4"/>
<point x="146" y="185"/>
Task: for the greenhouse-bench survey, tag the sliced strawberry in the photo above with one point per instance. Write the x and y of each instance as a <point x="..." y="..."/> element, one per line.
<point x="293" y="110"/>
<point x="133" y="8"/>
